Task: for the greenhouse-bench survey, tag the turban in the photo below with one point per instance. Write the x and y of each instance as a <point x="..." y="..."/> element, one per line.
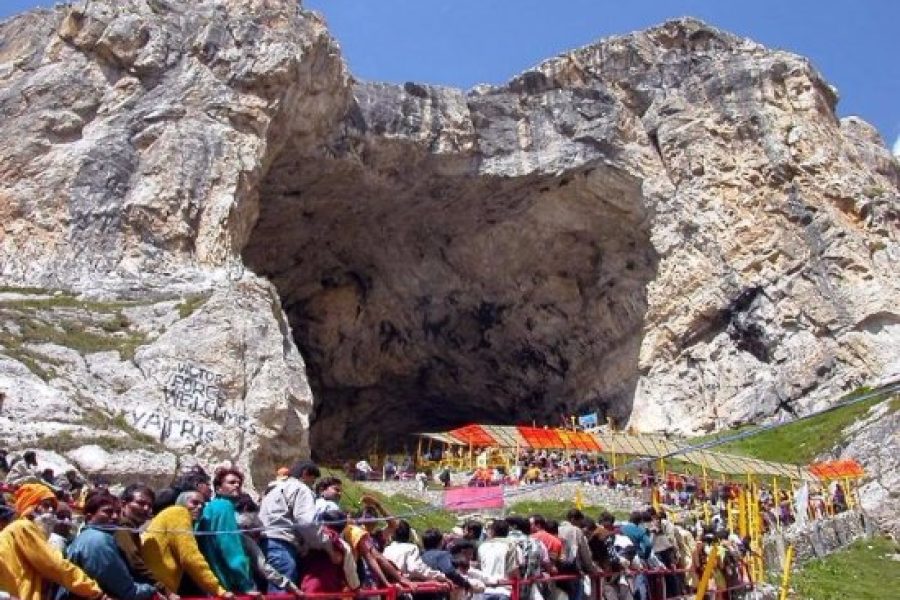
<point x="30" y="495"/>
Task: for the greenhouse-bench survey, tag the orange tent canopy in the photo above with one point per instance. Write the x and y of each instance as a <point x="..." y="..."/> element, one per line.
<point x="837" y="469"/>
<point x="505" y="436"/>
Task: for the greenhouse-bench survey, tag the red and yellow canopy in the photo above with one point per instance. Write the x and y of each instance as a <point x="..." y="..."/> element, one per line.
<point x="837" y="469"/>
<point x="504" y="436"/>
<point x="645" y="445"/>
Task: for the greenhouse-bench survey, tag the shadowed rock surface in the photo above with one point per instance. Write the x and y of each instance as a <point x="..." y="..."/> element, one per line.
<point x="672" y="227"/>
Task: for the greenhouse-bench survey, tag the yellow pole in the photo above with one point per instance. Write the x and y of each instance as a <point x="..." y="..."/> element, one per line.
<point x="419" y="453"/>
<point x="516" y="459"/>
<point x="848" y="493"/>
<point x="742" y="514"/>
<point x="707" y="572"/>
<point x="776" y="502"/>
<point x="756" y="537"/>
<point x="786" y="576"/>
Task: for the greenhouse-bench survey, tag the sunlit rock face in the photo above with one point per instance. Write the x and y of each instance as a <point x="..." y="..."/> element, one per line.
<point x="262" y="257"/>
<point x="671" y="226"/>
<point x="136" y="135"/>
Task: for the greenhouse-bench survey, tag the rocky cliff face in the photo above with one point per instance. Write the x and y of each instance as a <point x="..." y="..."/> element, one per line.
<point x="671" y="226"/>
<point x="138" y="134"/>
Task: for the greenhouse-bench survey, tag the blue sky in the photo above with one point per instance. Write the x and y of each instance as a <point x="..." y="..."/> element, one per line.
<point x="464" y="42"/>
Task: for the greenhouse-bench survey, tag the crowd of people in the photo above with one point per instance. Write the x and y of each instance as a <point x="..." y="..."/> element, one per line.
<point x="205" y="536"/>
<point x="707" y="498"/>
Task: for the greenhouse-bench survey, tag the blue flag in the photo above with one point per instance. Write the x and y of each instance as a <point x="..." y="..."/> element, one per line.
<point x="589" y="420"/>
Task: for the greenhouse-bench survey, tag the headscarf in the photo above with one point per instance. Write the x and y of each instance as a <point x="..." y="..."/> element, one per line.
<point x="30" y="495"/>
<point x="182" y="499"/>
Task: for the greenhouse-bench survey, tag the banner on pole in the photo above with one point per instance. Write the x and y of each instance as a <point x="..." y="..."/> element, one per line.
<point x="589" y="420"/>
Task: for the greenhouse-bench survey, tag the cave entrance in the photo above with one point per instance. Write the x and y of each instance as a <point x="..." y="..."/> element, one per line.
<point x="424" y="296"/>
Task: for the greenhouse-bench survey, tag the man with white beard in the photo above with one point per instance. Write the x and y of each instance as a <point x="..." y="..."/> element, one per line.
<point x="28" y="562"/>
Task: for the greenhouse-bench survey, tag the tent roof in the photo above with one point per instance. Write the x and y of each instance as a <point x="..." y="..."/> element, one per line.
<point x="837" y="469"/>
<point x="650" y="446"/>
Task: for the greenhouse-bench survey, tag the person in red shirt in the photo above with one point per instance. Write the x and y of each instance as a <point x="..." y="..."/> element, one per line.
<point x="553" y="544"/>
<point x="323" y="569"/>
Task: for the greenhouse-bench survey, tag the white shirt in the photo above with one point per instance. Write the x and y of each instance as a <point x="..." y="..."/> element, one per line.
<point x="499" y="558"/>
<point x="323" y="505"/>
<point x="406" y="557"/>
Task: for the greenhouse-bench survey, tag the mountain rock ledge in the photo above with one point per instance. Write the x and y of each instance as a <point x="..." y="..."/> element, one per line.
<point x="216" y="243"/>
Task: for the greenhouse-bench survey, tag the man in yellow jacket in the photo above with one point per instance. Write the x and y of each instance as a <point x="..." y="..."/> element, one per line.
<point x="27" y="562"/>
<point x="170" y="550"/>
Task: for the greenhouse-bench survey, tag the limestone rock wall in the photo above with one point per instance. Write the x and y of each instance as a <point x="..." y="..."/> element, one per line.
<point x="874" y="442"/>
<point x="136" y="136"/>
<point x="671" y="226"/>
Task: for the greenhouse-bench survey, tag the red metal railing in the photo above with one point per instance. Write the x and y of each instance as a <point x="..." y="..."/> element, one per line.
<point x="598" y="582"/>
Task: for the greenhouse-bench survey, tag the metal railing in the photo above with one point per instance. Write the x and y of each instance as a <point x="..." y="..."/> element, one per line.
<point x="656" y="578"/>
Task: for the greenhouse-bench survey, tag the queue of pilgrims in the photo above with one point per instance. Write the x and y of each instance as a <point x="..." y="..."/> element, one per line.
<point x="205" y="536"/>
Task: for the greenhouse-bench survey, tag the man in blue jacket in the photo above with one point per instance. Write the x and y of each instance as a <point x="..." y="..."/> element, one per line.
<point x="96" y="552"/>
<point x="224" y="550"/>
<point x="635" y="530"/>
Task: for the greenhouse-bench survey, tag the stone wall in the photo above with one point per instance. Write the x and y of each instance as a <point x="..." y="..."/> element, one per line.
<point x="815" y="539"/>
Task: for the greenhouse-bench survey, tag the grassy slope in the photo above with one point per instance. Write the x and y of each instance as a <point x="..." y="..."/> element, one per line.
<point x="396" y="505"/>
<point x="800" y="442"/>
<point x="556" y="509"/>
<point x="443" y="519"/>
<point x="863" y="571"/>
<point x="860" y="571"/>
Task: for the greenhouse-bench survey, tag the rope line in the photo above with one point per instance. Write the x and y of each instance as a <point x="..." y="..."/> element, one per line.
<point x="884" y="390"/>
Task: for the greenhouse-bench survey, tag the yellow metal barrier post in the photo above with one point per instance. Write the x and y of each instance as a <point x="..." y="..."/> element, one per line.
<point x="756" y="533"/>
<point x="786" y="576"/>
<point x="707" y="572"/>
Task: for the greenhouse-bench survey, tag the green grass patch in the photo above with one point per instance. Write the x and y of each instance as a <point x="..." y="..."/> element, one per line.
<point x="68" y="301"/>
<point x="190" y="304"/>
<point x="800" y="442"/>
<point x="65" y="441"/>
<point x="22" y="290"/>
<point x="35" y="363"/>
<point x="557" y="509"/>
<point x="43" y="324"/>
<point x="97" y="419"/>
<point x="862" y="571"/>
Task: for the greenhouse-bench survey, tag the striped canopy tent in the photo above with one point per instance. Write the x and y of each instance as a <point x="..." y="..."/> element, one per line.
<point x="645" y="445"/>
<point x="508" y="436"/>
